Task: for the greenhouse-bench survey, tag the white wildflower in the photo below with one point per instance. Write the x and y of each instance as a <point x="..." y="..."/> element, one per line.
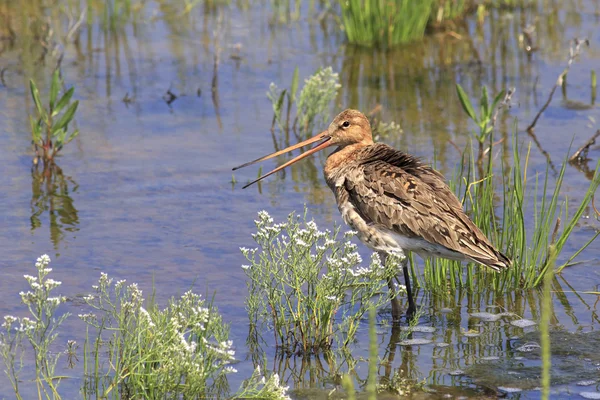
<point x="51" y="283"/>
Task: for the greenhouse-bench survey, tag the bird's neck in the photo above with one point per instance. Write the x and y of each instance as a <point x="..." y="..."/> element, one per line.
<point x="341" y="157"/>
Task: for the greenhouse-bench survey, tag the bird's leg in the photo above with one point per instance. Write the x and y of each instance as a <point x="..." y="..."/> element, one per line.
<point x="411" y="304"/>
<point x="395" y="302"/>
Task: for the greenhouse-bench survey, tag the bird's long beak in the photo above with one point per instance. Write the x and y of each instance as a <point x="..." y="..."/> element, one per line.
<point x="323" y="136"/>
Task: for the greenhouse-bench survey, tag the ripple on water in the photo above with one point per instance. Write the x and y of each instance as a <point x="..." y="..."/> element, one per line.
<point x="423" y="329"/>
<point x="415" y="342"/>
<point x="456" y="372"/>
<point x="590" y="395"/>
<point x="586" y="383"/>
<point x="471" y="334"/>
<point x="506" y="389"/>
<point x="522" y="323"/>
<point x="486" y="316"/>
<point x="528" y="347"/>
<point x="489" y="317"/>
<point x="442" y="344"/>
<point x="490" y="358"/>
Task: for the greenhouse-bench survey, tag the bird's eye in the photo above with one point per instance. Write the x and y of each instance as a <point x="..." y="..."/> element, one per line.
<point x="346" y="124"/>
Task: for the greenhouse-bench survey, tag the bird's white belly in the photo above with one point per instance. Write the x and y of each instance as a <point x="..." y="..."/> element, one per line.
<point x="422" y="247"/>
<point x="380" y="239"/>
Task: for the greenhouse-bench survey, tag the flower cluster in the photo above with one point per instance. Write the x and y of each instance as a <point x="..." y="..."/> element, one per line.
<point x="39" y="329"/>
<point x="304" y="282"/>
<point x="260" y="387"/>
<point x="192" y="346"/>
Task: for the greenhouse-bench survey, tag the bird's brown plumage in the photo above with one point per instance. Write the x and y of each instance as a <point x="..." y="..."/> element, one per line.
<point x="395" y="193"/>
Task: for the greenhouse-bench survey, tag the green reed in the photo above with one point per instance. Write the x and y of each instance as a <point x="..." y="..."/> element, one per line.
<point x="309" y="286"/>
<point x="382" y="23"/>
<point x="519" y="212"/>
<point x="385" y="24"/>
<point x="448" y="10"/>
<point x="545" y="323"/>
<point x="50" y="127"/>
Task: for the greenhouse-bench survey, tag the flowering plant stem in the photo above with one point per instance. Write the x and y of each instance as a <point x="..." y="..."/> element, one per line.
<point x="309" y="287"/>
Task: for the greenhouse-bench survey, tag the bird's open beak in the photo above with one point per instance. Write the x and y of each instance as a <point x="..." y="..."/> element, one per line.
<point x="323" y="137"/>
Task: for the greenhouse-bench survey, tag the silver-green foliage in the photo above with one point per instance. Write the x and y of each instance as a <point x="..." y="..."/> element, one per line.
<point x="181" y="350"/>
<point x="312" y="104"/>
<point x="39" y="330"/>
<point x="130" y="351"/>
<point x="308" y="286"/>
<point x="50" y="128"/>
<point x="315" y="97"/>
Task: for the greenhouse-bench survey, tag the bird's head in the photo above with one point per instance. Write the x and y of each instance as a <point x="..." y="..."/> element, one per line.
<point x="347" y="128"/>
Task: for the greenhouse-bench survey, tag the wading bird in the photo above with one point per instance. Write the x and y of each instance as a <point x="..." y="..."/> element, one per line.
<point x="393" y="201"/>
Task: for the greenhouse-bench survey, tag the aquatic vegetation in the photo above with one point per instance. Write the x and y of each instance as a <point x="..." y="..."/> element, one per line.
<point x="308" y="286"/>
<point x="507" y="224"/>
<point x="191" y="357"/>
<point x="487" y="115"/>
<point x="313" y="104"/>
<point x="385" y="24"/>
<point x="376" y="23"/>
<point x="545" y="324"/>
<point x="50" y="128"/>
<point x="259" y="387"/>
<point x="39" y="330"/>
<point x="123" y="357"/>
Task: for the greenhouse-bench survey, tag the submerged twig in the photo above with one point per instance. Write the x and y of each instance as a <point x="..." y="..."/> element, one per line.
<point x="581" y="153"/>
<point x="573" y="53"/>
<point x="544" y="152"/>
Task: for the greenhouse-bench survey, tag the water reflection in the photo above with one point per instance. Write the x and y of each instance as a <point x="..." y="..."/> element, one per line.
<point x="469" y="341"/>
<point x="51" y="192"/>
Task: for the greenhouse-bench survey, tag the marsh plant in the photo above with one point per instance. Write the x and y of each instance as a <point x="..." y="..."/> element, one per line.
<point x="488" y="114"/>
<point x="312" y="105"/>
<point x="181" y="350"/>
<point x="309" y="287"/>
<point x="50" y="127"/>
<point x="531" y="221"/>
<point x="385" y="24"/>
<point x="133" y="349"/>
<point x="37" y="332"/>
<point x="375" y="23"/>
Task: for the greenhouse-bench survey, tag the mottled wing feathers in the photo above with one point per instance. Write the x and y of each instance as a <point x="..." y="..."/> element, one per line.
<point x="396" y="191"/>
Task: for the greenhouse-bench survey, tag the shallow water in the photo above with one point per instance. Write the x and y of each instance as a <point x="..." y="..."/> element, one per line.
<point x="146" y="193"/>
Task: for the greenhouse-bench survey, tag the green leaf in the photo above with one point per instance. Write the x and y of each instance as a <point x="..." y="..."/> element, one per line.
<point x="35" y="93"/>
<point x="73" y="136"/>
<point x="54" y="86"/>
<point x="280" y="101"/>
<point x="64" y="100"/>
<point x="466" y="103"/>
<point x="497" y="99"/>
<point x="66" y="117"/>
<point x="294" y="87"/>
<point x="60" y="137"/>
<point x="36" y="134"/>
<point x="484" y="104"/>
